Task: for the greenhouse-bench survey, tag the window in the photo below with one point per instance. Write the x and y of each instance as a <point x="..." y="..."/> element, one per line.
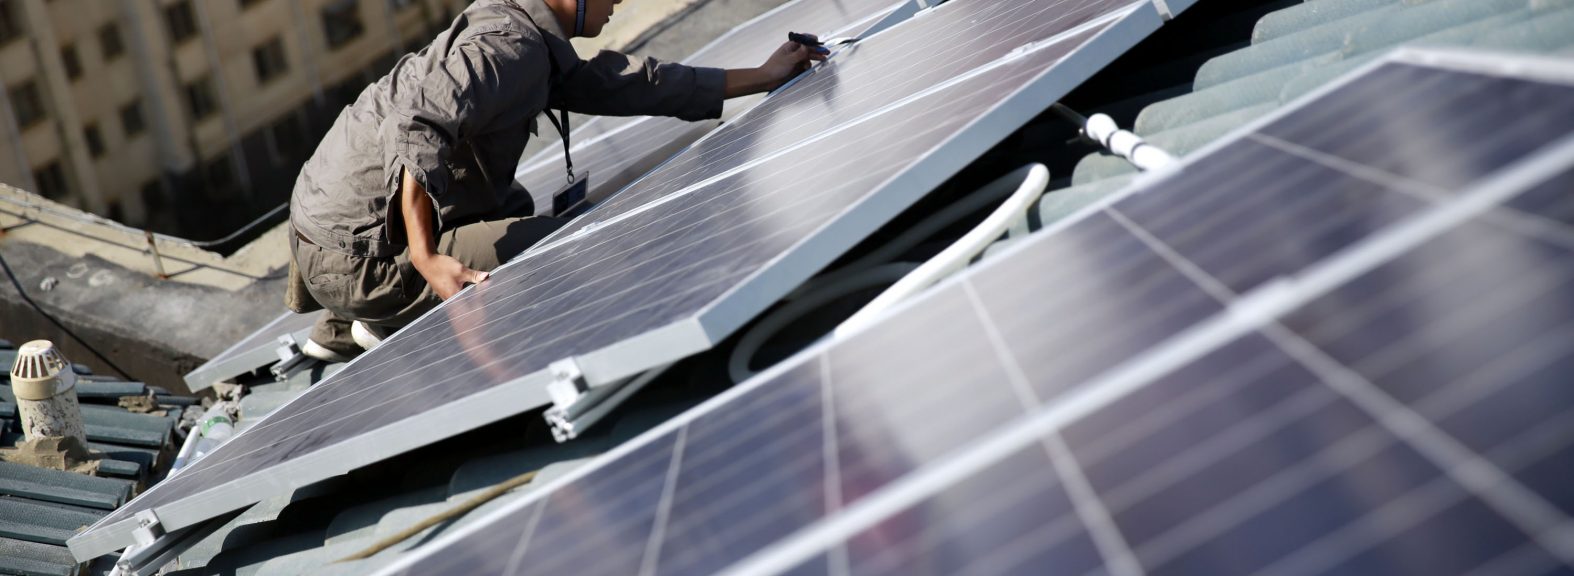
<point x="95" y="140"/>
<point x="51" y="180"/>
<point x="199" y="98"/>
<point x="153" y="195"/>
<point x="287" y="139"/>
<point x="27" y="105"/>
<point x="68" y="57"/>
<point x="218" y="176"/>
<point x="269" y="59"/>
<point x="181" y="20"/>
<point x="341" y="22"/>
<point x="244" y="4"/>
<point x="109" y="41"/>
<point x="10" y="21"/>
<point x="131" y="119"/>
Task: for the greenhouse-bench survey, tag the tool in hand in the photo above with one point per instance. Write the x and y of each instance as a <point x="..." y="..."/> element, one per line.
<point x="809" y="41"/>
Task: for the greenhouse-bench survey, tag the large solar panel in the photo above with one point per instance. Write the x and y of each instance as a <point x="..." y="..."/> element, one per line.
<point x="879" y="79"/>
<point x="1118" y="396"/>
<point x="661" y="282"/>
<point x="252" y="352"/>
<point x="616" y="151"/>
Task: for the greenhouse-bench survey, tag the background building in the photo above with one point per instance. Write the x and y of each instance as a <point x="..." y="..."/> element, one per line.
<point x="188" y="117"/>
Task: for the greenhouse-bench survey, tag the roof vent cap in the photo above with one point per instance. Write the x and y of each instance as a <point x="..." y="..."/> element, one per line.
<point x="39" y="361"/>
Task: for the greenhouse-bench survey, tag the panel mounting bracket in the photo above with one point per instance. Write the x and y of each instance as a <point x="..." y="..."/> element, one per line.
<point x="588" y="404"/>
<point x="1164" y="10"/>
<point x="291" y="358"/>
<point x="148" y="529"/>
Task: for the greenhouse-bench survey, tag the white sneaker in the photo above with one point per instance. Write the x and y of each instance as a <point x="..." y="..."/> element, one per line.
<point x="314" y="350"/>
<point x="365" y="335"/>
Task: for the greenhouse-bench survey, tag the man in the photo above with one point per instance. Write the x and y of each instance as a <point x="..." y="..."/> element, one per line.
<point x="410" y="195"/>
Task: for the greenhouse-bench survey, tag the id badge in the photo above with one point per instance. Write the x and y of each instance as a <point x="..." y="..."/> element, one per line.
<point x="571" y="197"/>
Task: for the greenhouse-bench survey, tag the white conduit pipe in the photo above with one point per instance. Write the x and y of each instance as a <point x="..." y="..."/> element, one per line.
<point x="1033" y="178"/>
<point x="1123" y="143"/>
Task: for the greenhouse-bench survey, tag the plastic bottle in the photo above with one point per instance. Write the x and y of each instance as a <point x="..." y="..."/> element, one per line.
<point x="215" y="430"/>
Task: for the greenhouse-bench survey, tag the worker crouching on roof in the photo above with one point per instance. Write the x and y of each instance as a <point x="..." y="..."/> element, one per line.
<point x="410" y="196"/>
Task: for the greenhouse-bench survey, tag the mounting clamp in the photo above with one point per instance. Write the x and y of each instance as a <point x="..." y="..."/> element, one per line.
<point x="291" y="358"/>
<point x="148" y="529"/>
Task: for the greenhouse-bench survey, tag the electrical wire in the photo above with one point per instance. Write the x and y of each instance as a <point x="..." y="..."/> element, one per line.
<point x="40" y="309"/>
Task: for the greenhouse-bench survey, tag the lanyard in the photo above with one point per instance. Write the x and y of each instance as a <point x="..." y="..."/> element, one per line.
<point x="561" y="125"/>
<point x="562" y="130"/>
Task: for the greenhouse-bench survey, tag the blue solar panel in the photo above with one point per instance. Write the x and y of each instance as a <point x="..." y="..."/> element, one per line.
<point x="647" y="289"/>
<point x="1095" y="400"/>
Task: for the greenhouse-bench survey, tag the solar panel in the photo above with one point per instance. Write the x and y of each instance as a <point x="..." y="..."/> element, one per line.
<point x="881" y="76"/>
<point x="252" y="352"/>
<point x="661" y="283"/>
<point x="616" y="151"/>
<point x="1096" y="400"/>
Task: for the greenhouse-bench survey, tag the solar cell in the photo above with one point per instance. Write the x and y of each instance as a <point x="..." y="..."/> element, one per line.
<point x="653" y="287"/>
<point x="252" y="352"/>
<point x="1354" y="418"/>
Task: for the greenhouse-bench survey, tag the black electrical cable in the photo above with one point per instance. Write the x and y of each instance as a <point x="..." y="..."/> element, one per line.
<point x="23" y="293"/>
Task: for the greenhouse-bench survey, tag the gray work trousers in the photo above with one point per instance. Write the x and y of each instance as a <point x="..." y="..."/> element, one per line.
<point x="389" y="293"/>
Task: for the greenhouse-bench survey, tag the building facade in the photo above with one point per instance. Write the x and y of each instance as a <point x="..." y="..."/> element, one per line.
<point x="189" y="117"/>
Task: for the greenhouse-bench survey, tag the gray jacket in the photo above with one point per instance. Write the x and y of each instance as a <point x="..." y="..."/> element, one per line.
<point x="457" y="114"/>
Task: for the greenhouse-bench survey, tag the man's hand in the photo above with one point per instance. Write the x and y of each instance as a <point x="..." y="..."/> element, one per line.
<point x="446" y="275"/>
<point x="787" y="61"/>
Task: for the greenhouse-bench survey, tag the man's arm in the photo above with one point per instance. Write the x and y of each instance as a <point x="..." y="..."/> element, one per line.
<point x="444" y="273"/>
<point x="787" y="61"/>
<point x="613" y="84"/>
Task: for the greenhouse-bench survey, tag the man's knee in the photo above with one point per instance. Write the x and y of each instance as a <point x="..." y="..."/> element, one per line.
<point x="487" y="245"/>
<point x="355" y="288"/>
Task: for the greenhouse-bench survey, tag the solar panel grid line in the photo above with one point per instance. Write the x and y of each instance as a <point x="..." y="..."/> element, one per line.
<point x="647" y="566"/>
<point x="518" y="554"/>
<point x="1250" y="312"/>
<point x="680" y="168"/>
<point x="932" y="91"/>
<point x="1389" y="520"/>
<point x="1118" y="557"/>
<point x="1526" y="509"/>
<point x="837" y="563"/>
<point x="1119" y="560"/>
<point x="553" y="155"/>
<point x="1523" y="507"/>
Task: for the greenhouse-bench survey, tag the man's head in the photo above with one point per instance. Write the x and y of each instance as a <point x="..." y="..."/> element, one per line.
<point x="596" y="13"/>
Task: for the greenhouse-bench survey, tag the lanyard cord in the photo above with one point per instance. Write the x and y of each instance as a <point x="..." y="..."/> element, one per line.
<point x="562" y="130"/>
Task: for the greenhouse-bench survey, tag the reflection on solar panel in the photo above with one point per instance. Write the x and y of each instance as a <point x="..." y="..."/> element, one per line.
<point x="615" y="151"/>
<point x="252" y="352"/>
<point x="1294" y="355"/>
<point x="880" y="78"/>
<point x="668" y="279"/>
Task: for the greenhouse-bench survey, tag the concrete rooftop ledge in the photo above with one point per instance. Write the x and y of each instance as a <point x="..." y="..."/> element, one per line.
<point x="100" y="279"/>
